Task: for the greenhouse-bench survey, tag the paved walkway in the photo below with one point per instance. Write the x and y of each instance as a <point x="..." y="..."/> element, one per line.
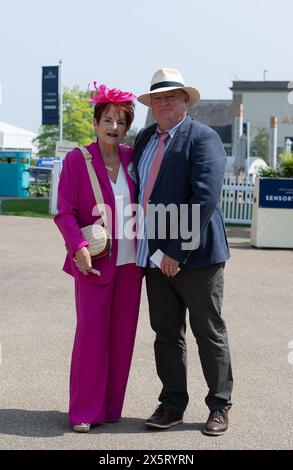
<point x="37" y="326"/>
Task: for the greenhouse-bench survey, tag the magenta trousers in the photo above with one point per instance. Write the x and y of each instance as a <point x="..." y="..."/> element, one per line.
<point x="103" y="345"/>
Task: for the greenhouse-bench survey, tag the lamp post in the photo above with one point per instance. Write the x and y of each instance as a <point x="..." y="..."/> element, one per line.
<point x="237" y="131"/>
<point x="248" y="145"/>
<point x="273" y="141"/>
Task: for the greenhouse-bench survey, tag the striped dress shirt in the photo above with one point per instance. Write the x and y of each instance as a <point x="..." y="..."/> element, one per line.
<point x="144" y="167"/>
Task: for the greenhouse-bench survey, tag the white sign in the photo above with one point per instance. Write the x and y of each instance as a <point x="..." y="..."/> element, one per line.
<point x="63" y="147"/>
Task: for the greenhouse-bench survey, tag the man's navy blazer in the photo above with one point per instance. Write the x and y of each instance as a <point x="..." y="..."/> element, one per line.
<point x="191" y="172"/>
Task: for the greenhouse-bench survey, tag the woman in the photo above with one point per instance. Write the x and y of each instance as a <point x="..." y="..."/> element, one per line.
<point x="107" y="305"/>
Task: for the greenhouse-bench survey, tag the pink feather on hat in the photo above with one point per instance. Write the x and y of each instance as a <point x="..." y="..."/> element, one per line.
<point x="102" y="94"/>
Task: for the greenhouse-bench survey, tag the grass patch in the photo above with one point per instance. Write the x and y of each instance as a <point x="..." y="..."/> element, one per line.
<point x="27" y="208"/>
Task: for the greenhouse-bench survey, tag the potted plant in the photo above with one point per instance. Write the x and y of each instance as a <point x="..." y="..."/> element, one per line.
<point x="283" y="170"/>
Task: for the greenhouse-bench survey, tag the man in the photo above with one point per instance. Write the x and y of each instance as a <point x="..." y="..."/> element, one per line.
<point x="181" y="162"/>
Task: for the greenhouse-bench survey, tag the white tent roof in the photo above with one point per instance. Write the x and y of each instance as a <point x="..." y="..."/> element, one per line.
<point x="9" y="129"/>
<point x="12" y="137"/>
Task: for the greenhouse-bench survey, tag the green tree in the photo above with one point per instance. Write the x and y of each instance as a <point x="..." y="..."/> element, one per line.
<point x="46" y="140"/>
<point x="260" y="144"/>
<point x="286" y="164"/>
<point x="77" y="122"/>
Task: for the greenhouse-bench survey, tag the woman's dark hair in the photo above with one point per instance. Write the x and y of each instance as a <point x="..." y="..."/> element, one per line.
<point x="127" y="108"/>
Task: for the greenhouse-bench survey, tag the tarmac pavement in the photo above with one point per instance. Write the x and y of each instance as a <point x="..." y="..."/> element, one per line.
<point x="37" y="321"/>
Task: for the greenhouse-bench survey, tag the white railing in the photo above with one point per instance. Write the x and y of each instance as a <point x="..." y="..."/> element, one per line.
<point x="54" y="187"/>
<point x="237" y="199"/>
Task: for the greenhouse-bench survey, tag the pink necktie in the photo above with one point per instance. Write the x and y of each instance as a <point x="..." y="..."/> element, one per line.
<point x="156" y="163"/>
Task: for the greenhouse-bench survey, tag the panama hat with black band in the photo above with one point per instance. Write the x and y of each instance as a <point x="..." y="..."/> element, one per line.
<point x="166" y="80"/>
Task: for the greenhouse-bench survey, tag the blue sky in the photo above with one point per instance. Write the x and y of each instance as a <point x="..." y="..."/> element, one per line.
<point x="122" y="43"/>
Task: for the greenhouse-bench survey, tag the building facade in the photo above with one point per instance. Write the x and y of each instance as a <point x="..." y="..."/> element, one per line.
<point x="261" y="100"/>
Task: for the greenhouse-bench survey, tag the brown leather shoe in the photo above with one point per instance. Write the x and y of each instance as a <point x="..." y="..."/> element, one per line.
<point x="163" y="418"/>
<point x="217" y="423"/>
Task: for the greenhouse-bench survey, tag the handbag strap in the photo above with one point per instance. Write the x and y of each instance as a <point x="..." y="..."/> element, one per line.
<point x="95" y="183"/>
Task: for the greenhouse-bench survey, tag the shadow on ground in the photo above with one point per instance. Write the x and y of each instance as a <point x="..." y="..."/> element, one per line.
<point x="239" y="237"/>
<point x="33" y="423"/>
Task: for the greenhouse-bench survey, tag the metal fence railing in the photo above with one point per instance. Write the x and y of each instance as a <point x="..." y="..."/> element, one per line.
<point x="40" y="181"/>
<point x="237" y="199"/>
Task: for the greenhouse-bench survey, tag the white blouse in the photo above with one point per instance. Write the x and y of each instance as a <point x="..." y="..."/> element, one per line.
<point x="126" y="246"/>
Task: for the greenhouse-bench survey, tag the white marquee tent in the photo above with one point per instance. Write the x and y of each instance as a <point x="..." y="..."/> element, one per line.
<point x="13" y="138"/>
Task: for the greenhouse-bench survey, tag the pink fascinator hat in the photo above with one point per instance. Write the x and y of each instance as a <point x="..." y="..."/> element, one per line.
<point x="102" y="94"/>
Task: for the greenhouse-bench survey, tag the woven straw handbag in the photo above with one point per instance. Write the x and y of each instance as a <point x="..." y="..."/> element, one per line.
<point x="97" y="235"/>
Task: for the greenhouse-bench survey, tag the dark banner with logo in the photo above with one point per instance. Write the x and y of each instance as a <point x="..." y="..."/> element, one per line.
<point x="50" y="92"/>
<point x="276" y="192"/>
